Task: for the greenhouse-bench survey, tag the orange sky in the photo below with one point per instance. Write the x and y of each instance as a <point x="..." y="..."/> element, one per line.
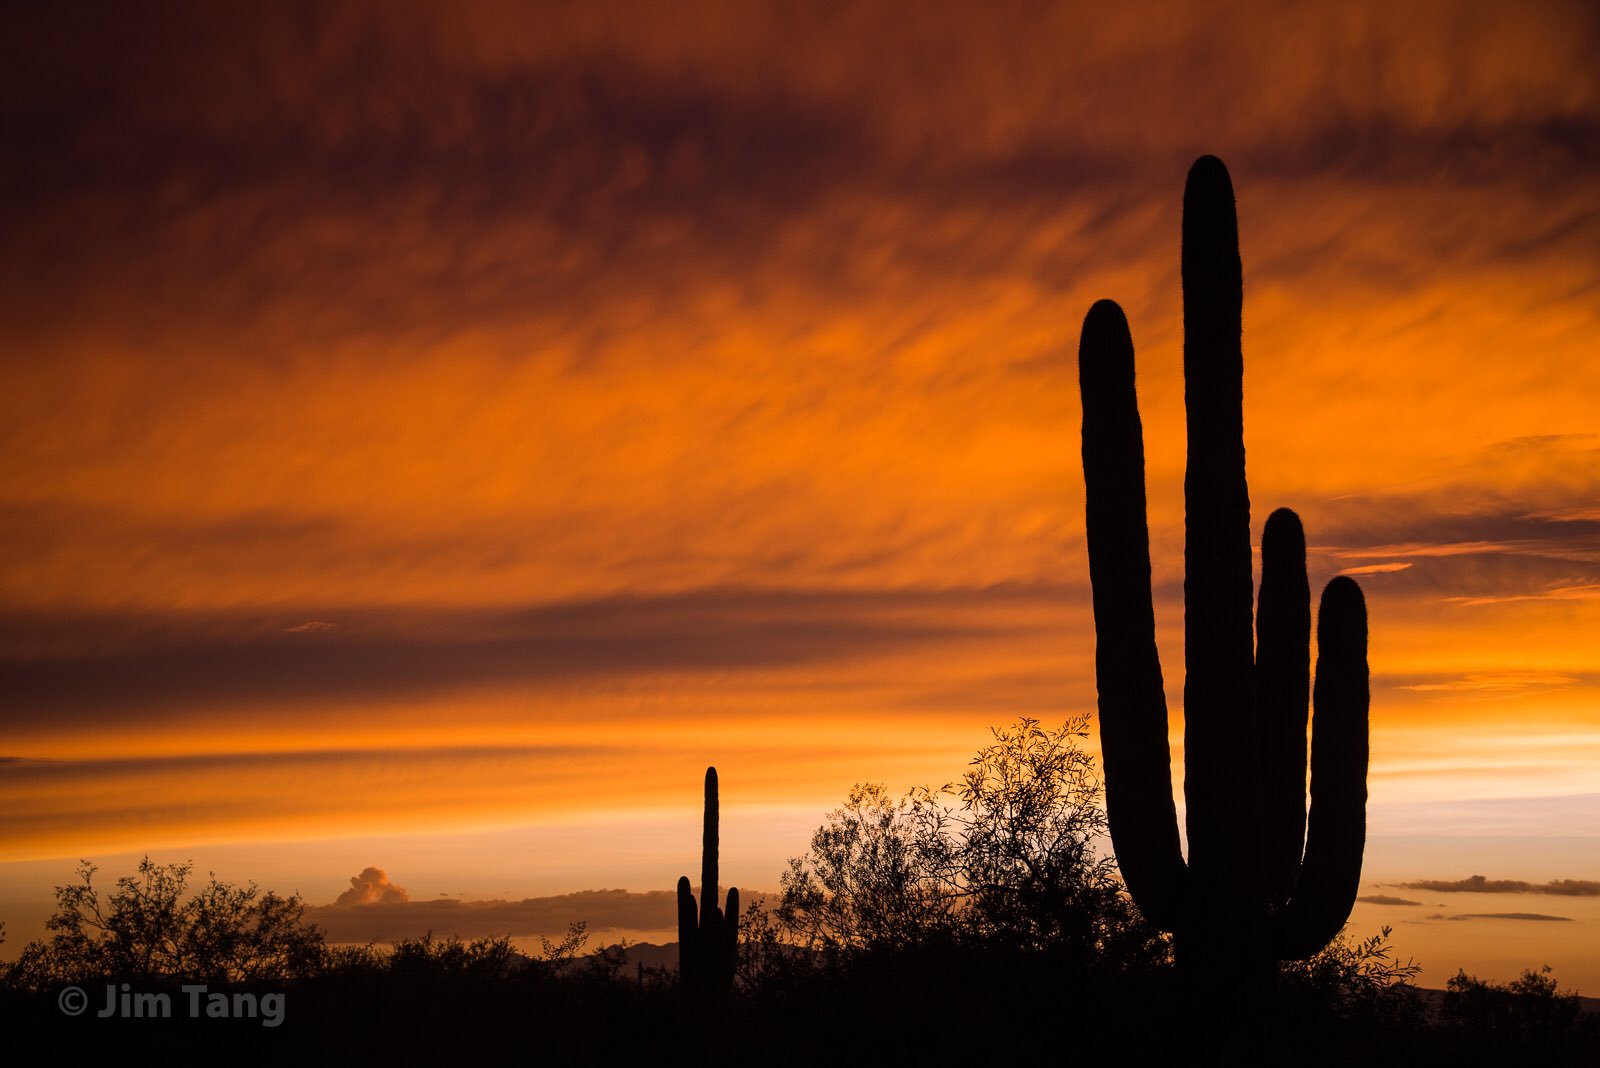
<point x="467" y="426"/>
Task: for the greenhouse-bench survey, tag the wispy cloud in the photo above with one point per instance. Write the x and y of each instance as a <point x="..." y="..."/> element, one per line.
<point x="1375" y="569"/>
<point x="1426" y="549"/>
<point x="1587" y="592"/>
<point x="1478" y="884"/>
<point x="1538" y="916"/>
<point x="1495" y="684"/>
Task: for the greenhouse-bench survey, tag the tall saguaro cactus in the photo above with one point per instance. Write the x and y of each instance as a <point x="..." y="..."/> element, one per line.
<point x="1262" y="882"/>
<point x="708" y="942"/>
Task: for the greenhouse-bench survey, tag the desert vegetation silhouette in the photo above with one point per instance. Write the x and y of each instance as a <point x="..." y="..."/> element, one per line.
<point x="1005" y="863"/>
<point x="1263" y="882"/>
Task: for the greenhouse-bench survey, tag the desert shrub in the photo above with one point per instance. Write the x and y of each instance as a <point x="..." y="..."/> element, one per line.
<point x="1007" y="861"/>
<point x="1529" y="1017"/>
<point x="150" y="929"/>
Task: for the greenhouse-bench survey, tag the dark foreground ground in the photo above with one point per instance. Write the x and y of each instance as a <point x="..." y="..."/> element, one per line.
<point x="905" y="1007"/>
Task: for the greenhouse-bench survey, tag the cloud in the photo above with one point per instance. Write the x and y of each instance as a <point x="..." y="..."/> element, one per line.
<point x="1502" y="916"/>
<point x="1477" y="884"/>
<point x="1430" y="532"/>
<point x="1431" y="550"/>
<point x="1518" y="497"/>
<point x="534" y="349"/>
<point x="372" y="887"/>
<point x="601" y="910"/>
<point x="1384" y="899"/>
<point x="309" y="627"/>
<point x="484" y="225"/>
<point x="1488" y="685"/>
<point x="501" y="166"/>
<point x="1586" y="592"/>
<point x="128" y="665"/>
<point x="1375" y="569"/>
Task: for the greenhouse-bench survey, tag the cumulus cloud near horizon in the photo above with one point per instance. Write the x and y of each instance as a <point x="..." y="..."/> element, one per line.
<point x="372" y="887"/>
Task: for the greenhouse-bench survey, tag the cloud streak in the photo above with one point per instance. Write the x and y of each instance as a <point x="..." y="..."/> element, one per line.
<point x="126" y="665"/>
<point x="1477" y="884"/>
<point x="600" y="910"/>
<point x="1536" y="916"/>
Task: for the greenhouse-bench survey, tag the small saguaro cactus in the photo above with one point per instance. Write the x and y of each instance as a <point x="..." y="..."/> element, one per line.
<point x="708" y="941"/>
<point x="1260" y="885"/>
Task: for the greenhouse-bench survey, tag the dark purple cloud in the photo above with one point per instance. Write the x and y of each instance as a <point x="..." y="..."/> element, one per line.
<point x="355" y="168"/>
<point x="105" y="668"/>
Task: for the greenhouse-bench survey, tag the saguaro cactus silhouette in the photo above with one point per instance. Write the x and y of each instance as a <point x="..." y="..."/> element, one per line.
<point x="708" y="942"/>
<point x="1249" y="895"/>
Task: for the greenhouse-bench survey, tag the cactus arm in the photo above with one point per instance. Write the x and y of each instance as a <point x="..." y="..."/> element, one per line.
<point x="1221" y="748"/>
<point x="1330" y="874"/>
<point x="708" y="853"/>
<point x="688" y="934"/>
<point x="730" y="936"/>
<point x="1283" y="693"/>
<point x="1132" y="702"/>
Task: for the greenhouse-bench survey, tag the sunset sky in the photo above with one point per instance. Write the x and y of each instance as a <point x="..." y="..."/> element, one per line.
<point x="432" y="434"/>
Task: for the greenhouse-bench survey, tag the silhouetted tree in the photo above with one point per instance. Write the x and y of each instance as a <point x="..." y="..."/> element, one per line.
<point x="1529" y="1017"/>
<point x="150" y="929"/>
<point x="1010" y="867"/>
<point x="1260" y="884"/>
<point x="874" y="877"/>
